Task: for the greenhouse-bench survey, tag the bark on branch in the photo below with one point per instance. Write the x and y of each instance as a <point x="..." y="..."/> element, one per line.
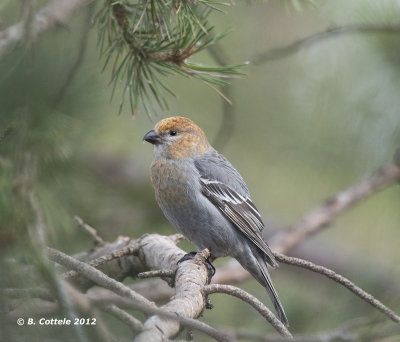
<point x="336" y="205"/>
<point x="251" y="300"/>
<point x="159" y="255"/>
<point x="157" y="252"/>
<point x="55" y="13"/>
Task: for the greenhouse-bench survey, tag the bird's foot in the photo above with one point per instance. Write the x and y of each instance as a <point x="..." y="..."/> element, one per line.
<point x="188" y="256"/>
<point x="209" y="265"/>
<point x="210" y="268"/>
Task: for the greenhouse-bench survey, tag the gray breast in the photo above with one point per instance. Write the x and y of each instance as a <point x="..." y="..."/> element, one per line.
<point x="179" y="195"/>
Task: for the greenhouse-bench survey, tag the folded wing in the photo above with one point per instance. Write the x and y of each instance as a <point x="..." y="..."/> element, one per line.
<point x="240" y="210"/>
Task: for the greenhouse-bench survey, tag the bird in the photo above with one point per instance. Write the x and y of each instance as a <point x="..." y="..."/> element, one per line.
<point x="206" y="199"/>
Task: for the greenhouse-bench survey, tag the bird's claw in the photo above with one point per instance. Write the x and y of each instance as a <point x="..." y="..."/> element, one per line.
<point x="187" y="256"/>
<point x="208" y="264"/>
<point x="210" y="268"/>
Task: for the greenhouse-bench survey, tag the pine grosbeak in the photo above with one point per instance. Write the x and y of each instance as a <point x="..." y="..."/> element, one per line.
<point x="207" y="200"/>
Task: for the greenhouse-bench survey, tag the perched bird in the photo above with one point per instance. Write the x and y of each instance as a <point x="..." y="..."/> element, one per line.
<point x="206" y="199"/>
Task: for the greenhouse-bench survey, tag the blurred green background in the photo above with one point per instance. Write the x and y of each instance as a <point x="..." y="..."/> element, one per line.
<point x="301" y="128"/>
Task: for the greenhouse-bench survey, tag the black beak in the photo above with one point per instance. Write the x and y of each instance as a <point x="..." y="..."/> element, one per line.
<point x="152" y="137"/>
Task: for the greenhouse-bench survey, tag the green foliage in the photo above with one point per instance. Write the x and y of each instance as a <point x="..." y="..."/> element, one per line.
<point x="149" y="40"/>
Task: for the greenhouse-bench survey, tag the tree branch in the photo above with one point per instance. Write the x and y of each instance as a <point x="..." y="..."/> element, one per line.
<point x="96" y="276"/>
<point x="271" y="55"/>
<point x="342" y="333"/>
<point x="56" y="12"/>
<point x="153" y="289"/>
<point x="98" y="241"/>
<point x="157" y="252"/>
<point x="118" y="254"/>
<point x="133" y="323"/>
<point x="341" y="280"/>
<point x="336" y="205"/>
<point x="251" y="300"/>
<point x="319" y="218"/>
<point x="176" y="56"/>
<point x="190" y="278"/>
<point x="84" y="305"/>
<point x="156" y="273"/>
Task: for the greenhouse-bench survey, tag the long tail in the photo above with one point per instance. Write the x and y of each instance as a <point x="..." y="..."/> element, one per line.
<point x="267" y="283"/>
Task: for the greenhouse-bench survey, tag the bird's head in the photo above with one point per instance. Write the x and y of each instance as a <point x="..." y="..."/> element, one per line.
<point x="176" y="138"/>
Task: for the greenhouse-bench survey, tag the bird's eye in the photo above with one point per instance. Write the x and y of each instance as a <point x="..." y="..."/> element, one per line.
<point x="173" y="132"/>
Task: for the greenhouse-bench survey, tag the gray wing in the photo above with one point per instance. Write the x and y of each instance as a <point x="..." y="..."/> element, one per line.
<point x="213" y="165"/>
<point x="225" y="188"/>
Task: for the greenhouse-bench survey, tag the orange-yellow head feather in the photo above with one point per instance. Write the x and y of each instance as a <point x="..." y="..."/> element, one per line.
<point x="177" y="137"/>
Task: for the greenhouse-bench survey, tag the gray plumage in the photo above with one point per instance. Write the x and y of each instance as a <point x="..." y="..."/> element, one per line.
<point x="217" y="214"/>
<point x="207" y="200"/>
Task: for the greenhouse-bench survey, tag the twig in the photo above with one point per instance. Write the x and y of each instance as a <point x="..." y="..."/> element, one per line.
<point x="336" y="335"/>
<point x="342" y="333"/>
<point x="57" y="11"/>
<point x="128" y="250"/>
<point x="222" y="336"/>
<point x="139" y="302"/>
<point x="253" y="301"/>
<point x="218" y="334"/>
<point x="291" y="49"/>
<point x="176" y="56"/>
<point x="341" y="280"/>
<point x="90" y="231"/>
<point x="176" y="238"/>
<point x="156" y="273"/>
<point x="61" y="288"/>
<point x="38" y="235"/>
<point x="153" y="289"/>
<point x="321" y="216"/>
<point x="133" y="323"/>
<point x="191" y="276"/>
<point x="86" y="305"/>
<point x="96" y="276"/>
<point x="122" y="257"/>
<point x="319" y="337"/>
